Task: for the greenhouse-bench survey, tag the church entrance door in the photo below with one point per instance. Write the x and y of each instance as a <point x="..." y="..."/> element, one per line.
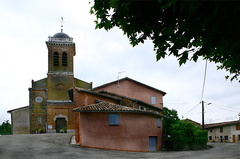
<point x="61" y="123"/>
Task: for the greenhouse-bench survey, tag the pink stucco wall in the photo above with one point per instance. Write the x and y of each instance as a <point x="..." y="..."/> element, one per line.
<point x="131" y="135"/>
<point x="82" y="99"/>
<point x="134" y="90"/>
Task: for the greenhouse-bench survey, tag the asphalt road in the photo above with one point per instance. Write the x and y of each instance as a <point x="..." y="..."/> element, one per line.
<point x="57" y="146"/>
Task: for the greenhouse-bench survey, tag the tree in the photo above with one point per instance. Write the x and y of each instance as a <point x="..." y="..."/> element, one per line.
<point x="185" y="29"/>
<point x="181" y="135"/>
<point x="171" y="118"/>
<point x="6" y="128"/>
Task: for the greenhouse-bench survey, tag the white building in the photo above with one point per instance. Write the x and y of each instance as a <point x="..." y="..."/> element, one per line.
<point x="224" y="131"/>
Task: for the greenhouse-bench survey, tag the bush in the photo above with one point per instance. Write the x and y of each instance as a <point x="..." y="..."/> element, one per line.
<point x="186" y="136"/>
<point x="181" y="135"/>
<point x="6" y="128"/>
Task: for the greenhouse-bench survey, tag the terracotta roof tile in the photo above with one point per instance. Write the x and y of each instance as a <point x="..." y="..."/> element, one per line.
<point x="222" y="124"/>
<point x="111" y="107"/>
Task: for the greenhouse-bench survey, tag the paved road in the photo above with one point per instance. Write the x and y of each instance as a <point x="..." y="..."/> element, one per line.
<point x="56" y="146"/>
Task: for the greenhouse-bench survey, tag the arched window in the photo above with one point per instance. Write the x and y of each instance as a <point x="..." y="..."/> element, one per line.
<point x="64" y="59"/>
<point x="55" y="59"/>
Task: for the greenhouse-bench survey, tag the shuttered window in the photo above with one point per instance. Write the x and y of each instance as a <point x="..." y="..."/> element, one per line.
<point x="113" y="119"/>
<point x="64" y="59"/>
<point x="237" y="127"/>
<point x="55" y="59"/>
<point x="158" y="122"/>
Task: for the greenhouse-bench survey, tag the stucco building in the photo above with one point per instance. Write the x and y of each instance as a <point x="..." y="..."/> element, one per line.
<point x="20" y="120"/>
<point x="123" y="115"/>
<point x="224" y="131"/>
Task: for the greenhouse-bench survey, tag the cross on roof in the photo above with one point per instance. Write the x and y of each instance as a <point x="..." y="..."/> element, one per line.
<point x="62" y="21"/>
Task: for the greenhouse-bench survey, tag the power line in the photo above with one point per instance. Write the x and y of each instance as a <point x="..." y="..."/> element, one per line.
<point x="191" y="109"/>
<point x="212" y="111"/>
<point x="226" y="108"/>
<point x="204" y="80"/>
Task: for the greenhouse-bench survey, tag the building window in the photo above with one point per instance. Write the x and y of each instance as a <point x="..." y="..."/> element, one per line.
<point x="158" y="122"/>
<point x="237" y="127"/>
<point x="225" y="137"/>
<point x="64" y="59"/>
<point x="55" y="59"/>
<point x="221" y="129"/>
<point x="153" y="100"/>
<point x="39" y="120"/>
<point x="141" y="108"/>
<point x="113" y="119"/>
<point x="210" y="138"/>
<point x="238" y="137"/>
<point x="210" y="130"/>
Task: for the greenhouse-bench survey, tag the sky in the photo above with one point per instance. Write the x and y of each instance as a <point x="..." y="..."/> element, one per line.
<point x="100" y="57"/>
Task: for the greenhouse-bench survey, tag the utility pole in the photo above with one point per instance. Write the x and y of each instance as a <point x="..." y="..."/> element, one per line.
<point x="202" y="115"/>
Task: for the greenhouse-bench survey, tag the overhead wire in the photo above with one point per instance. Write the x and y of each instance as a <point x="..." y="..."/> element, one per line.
<point x="204" y="81"/>
<point x="226" y="108"/>
<point x="191" y="109"/>
<point x="203" y="87"/>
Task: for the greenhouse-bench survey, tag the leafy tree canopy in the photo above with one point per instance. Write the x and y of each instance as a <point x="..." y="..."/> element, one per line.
<point x="182" y="28"/>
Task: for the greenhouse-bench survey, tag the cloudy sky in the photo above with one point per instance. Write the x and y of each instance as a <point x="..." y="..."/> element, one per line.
<point x="100" y="56"/>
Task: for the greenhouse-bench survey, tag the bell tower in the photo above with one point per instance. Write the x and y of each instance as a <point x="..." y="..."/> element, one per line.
<point x="61" y="50"/>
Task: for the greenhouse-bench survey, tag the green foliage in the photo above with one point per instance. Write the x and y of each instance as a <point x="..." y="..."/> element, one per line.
<point x="186" y="136"/>
<point x="6" y="128"/>
<point x="181" y="135"/>
<point x="185" y="29"/>
<point x="171" y="118"/>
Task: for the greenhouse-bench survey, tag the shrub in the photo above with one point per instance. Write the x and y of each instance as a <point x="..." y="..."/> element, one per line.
<point x="186" y="136"/>
<point x="6" y="128"/>
<point x="181" y="135"/>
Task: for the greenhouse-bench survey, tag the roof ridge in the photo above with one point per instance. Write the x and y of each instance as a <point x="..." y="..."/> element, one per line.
<point x="127" y="78"/>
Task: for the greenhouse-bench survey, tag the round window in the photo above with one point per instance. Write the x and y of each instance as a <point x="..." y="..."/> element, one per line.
<point x="38" y="99"/>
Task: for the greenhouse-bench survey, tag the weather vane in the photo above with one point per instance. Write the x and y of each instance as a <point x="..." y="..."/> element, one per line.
<point x="62" y="21"/>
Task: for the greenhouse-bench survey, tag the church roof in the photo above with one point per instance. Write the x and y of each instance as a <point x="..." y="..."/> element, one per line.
<point x="60" y="35"/>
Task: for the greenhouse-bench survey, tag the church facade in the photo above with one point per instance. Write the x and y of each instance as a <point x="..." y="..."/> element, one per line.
<point x="50" y="106"/>
<point x="50" y="109"/>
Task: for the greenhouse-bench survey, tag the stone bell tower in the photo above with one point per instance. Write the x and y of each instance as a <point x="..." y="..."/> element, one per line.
<point x="50" y="106"/>
<point x="61" y="51"/>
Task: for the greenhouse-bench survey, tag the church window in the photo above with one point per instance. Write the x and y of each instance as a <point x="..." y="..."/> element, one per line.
<point x="64" y="59"/>
<point x="55" y="59"/>
<point x="39" y="120"/>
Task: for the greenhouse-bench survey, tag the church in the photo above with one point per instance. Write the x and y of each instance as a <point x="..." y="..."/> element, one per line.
<point x="50" y="108"/>
<point x="122" y="115"/>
